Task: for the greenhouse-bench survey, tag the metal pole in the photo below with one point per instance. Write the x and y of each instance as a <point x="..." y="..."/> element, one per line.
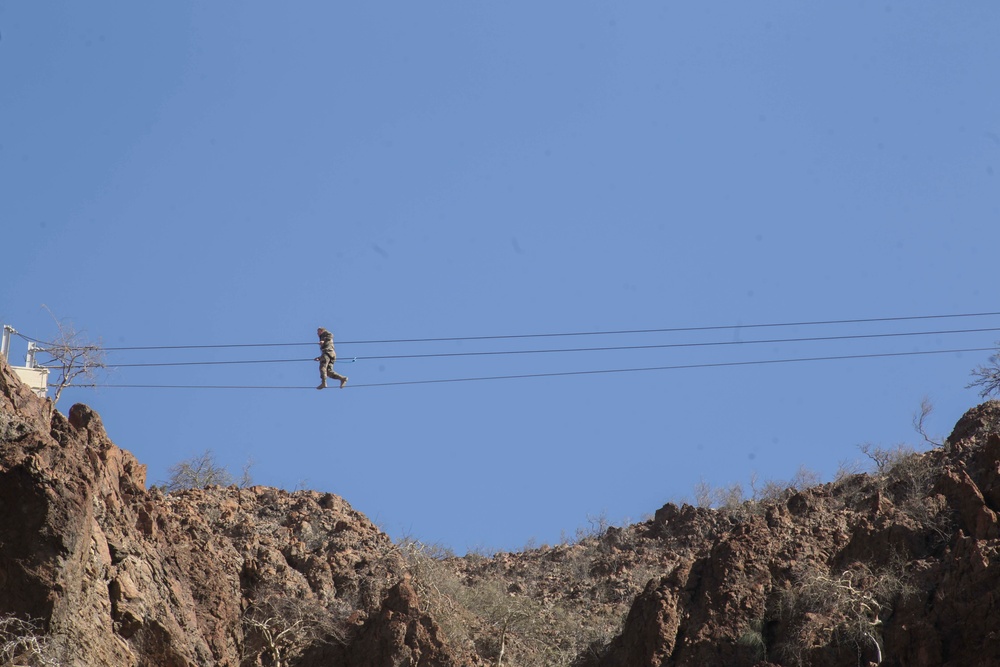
<point x="5" y="340"/>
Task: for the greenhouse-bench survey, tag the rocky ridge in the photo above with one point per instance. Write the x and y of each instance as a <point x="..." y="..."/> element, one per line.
<point x="121" y="575"/>
<point x="896" y="567"/>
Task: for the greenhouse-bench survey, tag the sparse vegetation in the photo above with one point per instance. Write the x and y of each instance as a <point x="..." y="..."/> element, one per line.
<point x="203" y="470"/>
<point x="907" y="473"/>
<point x="722" y="497"/>
<point x="823" y="610"/>
<point x="907" y="476"/>
<point x="804" y="478"/>
<point x="987" y="377"/>
<point x="22" y="644"/>
<point x="846" y="469"/>
<point x="508" y="617"/>
<point x="885" y="458"/>
<point x="503" y="613"/>
<point x="597" y="526"/>
<point x="279" y="627"/>
<point x="732" y="499"/>
<point x="770" y="491"/>
<point x="438" y="587"/>
<point x="753" y="639"/>
<point x="703" y="494"/>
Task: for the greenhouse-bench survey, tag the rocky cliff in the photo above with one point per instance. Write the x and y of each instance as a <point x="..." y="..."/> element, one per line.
<point x="895" y="567"/>
<point x="114" y="574"/>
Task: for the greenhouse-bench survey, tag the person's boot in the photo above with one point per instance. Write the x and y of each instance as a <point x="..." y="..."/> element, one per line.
<point x="323" y="385"/>
<point x="343" y="381"/>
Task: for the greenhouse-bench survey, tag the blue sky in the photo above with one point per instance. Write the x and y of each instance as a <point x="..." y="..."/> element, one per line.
<point x="215" y="173"/>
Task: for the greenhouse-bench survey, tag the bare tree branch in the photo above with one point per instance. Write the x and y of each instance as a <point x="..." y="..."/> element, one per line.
<point x="203" y="470"/>
<point x="987" y="377"/>
<point x="22" y="643"/>
<point x="919" y="417"/>
<point x="280" y="627"/>
<point x="72" y="356"/>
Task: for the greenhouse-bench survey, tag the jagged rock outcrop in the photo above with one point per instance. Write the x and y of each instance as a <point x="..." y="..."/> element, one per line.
<point x="894" y="569"/>
<point x="399" y="634"/>
<point x="118" y="575"/>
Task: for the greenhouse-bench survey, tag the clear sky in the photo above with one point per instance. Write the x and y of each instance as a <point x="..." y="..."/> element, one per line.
<point x="207" y="173"/>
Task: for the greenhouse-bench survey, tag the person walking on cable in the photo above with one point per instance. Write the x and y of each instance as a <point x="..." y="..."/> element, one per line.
<point x="326" y="357"/>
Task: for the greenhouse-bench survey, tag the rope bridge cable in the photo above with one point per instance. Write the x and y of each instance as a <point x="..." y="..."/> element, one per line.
<point x="725" y="364"/>
<point x="171" y="347"/>
<point x="549" y="335"/>
<point x="678" y="329"/>
<point x="214" y="363"/>
<point x="770" y="341"/>
<point x="682" y="345"/>
<point x="209" y="363"/>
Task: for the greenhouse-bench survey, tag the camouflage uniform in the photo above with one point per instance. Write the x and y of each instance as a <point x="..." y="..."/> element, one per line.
<point x="326" y="357"/>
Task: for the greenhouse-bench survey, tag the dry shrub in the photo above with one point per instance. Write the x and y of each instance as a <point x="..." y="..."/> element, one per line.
<point x="804" y="478"/>
<point x="279" y="627"/>
<point x="23" y="644"/>
<point x="987" y="377"/>
<point x="822" y="611"/>
<point x="885" y="458"/>
<point x="439" y="588"/>
<point x="907" y="477"/>
<point x="503" y="620"/>
<point x="753" y="640"/>
<point x="202" y="470"/>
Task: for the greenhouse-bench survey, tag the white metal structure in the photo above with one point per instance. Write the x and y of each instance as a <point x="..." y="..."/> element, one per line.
<point x="31" y="374"/>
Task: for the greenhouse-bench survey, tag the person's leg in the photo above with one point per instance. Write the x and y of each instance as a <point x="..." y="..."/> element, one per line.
<point x="323" y="363"/>
<point x="337" y="376"/>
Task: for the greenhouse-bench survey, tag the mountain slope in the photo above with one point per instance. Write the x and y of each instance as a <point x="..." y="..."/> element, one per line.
<point x="118" y="575"/>
<point x="897" y="567"/>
